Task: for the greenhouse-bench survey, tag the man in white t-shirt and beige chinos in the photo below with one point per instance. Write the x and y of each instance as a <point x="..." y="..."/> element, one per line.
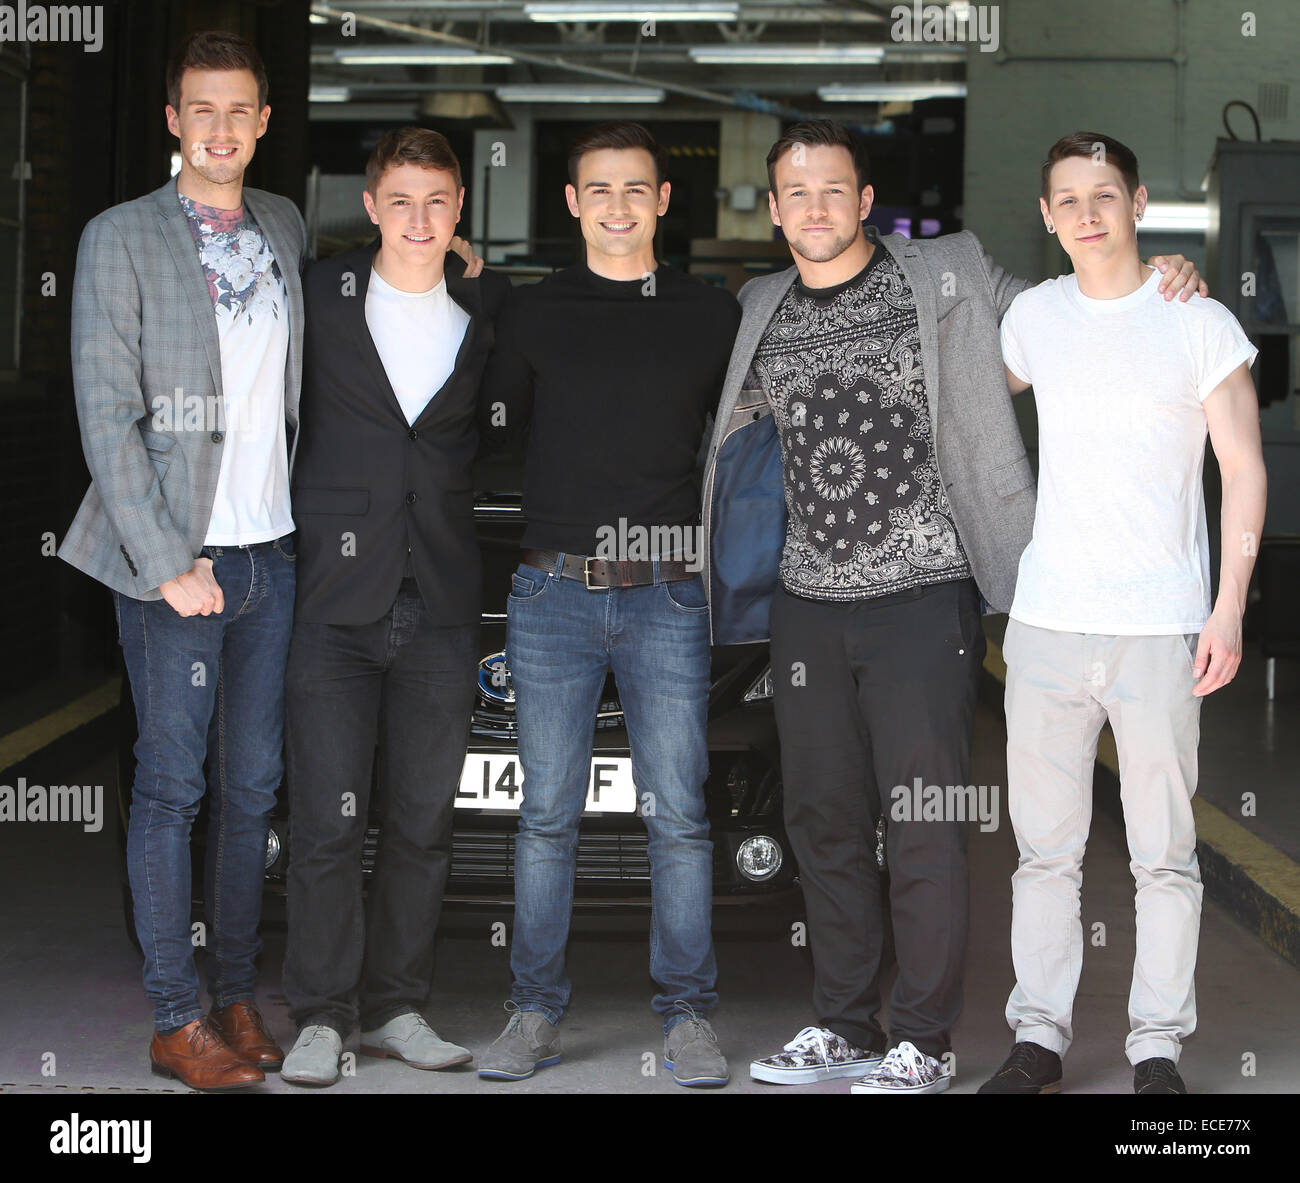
<point x="1112" y="614"/>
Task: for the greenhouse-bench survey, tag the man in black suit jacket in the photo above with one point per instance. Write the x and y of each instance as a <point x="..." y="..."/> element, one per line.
<point x="387" y="611"/>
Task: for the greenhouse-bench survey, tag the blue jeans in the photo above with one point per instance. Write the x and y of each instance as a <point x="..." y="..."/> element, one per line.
<point x="561" y="641"/>
<point x="206" y="687"/>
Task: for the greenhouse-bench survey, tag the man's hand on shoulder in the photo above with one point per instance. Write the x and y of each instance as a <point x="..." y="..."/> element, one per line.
<point x="1181" y="278"/>
<point x="195" y="593"/>
<point x="473" y="262"/>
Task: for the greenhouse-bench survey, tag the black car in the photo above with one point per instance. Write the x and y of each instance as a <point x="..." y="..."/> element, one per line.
<point x="752" y="862"/>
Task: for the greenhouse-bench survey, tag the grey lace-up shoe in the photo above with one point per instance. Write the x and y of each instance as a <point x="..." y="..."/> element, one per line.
<point x="314" y="1058"/>
<point x="530" y="1041"/>
<point x="691" y="1052"/>
<point x="409" y="1038"/>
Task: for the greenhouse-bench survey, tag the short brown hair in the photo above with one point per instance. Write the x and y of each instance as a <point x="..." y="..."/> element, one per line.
<point x="820" y="133"/>
<point x="620" y="134"/>
<point x="411" y="145"/>
<point x="1094" y="144"/>
<point x="214" y="50"/>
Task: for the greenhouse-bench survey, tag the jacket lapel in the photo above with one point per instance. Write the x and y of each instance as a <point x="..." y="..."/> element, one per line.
<point x="180" y="242"/>
<point x="284" y="248"/>
<point x="908" y="255"/>
<point x="355" y="312"/>
<point x="759" y="308"/>
<point x="464" y="292"/>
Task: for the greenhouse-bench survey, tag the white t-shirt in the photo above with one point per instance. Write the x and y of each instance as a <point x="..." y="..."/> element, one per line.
<point x="418" y="335"/>
<point x="1119" y="544"/>
<point x="251" y="503"/>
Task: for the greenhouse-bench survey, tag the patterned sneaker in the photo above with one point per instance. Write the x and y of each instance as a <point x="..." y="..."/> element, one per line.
<point x="814" y="1054"/>
<point x="906" y="1069"/>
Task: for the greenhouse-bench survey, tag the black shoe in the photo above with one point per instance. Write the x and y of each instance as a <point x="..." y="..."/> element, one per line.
<point x="1157" y="1075"/>
<point x="1030" y="1068"/>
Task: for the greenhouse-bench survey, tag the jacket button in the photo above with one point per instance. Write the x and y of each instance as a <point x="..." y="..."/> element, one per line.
<point x="217" y="437"/>
<point x="755" y="414"/>
<point x="410" y="499"/>
<point x="410" y="435"/>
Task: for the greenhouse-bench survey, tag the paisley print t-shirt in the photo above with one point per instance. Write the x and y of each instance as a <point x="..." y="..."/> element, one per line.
<point x="867" y="512"/>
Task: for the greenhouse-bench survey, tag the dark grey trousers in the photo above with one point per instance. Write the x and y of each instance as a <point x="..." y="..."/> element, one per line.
<point x="869" y="695"/>
<point x="405" y="686"/>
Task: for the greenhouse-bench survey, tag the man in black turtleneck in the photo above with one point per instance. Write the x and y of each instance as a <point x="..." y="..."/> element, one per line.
<point x="613" y="366"/>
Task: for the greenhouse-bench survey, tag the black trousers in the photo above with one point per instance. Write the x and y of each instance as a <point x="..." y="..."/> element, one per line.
<point x="407" y="686"/>
<point x="869" y="695"/>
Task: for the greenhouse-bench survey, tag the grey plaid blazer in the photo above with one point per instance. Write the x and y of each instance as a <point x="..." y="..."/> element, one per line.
<point x="143" y="329"/>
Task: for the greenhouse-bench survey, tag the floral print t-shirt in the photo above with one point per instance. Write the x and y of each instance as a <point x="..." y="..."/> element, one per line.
<point x="249" y="300"/>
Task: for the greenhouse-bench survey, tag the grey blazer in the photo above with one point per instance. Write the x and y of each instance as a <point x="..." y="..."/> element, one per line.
<point x="143" y="328"/>
<point x="961" y="295"/>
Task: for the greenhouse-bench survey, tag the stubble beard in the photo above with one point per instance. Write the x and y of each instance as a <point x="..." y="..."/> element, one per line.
<point x="824" y="252"/>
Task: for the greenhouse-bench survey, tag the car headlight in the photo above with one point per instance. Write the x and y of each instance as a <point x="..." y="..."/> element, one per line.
<point x="272" y="848"/>
<point x="758" y="858"/>
<point x="761" y="687"/>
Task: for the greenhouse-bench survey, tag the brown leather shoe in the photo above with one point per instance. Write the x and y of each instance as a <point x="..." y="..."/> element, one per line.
<point x="240" y="1025"/>
<point x="196" y="1055"/>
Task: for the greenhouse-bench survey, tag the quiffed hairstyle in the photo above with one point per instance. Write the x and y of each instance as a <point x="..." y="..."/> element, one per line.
<point x="214" y="50"/>
<point x="621" y="134"/>
<point x="1087" y="143"/>
<point x="820" y="133"/>
<point x="411" y="145"/>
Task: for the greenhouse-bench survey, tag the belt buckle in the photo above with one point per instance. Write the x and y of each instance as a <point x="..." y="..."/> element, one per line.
<point x="586" y="573"/>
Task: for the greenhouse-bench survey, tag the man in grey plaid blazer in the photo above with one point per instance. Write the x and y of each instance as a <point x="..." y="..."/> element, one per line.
<point x="186" y="351"/>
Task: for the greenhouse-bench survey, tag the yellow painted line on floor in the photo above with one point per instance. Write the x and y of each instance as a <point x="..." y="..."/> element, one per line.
<point x="1265" y="865"/>
<point x="20" y="744"/>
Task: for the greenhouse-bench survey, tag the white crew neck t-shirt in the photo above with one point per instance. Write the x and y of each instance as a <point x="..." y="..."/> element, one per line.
<point x="417" y="335"/>
<point x="1119" y="544"/>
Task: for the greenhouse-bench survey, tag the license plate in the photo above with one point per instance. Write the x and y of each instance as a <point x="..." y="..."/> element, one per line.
<point x="495" y="781"/>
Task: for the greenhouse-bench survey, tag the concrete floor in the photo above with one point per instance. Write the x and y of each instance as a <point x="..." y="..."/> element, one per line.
<point x="70" y="982"/>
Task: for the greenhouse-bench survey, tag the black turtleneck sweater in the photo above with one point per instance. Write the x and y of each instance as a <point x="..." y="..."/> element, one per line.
<point x="613" y="381"/>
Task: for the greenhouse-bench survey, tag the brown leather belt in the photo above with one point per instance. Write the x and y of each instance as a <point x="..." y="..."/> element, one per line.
<point x="606" y="573"/>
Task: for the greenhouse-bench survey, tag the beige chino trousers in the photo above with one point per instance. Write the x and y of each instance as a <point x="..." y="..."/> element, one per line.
<point x="1061" y="687"/>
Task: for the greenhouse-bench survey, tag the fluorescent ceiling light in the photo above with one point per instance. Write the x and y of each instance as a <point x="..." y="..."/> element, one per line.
<point x="779" y="55"/>
<point x="416" y="55"/>
<point x="328" y="94"/>
<point x="632" y="10"/>
<point x="315" y="18"/>
<point x="1190" y="216"/>
<point x="564" y="92"/>
<point x="887" y="92"/>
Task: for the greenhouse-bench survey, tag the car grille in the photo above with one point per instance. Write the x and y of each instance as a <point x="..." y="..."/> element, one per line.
<point x="490" y="855"/>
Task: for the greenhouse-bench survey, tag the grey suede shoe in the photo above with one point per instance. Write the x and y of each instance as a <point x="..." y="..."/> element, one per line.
<point x="314" y="1058"/>
<point x="691" y="1052"/>
<point x="530" y="1041"/>
<point x="410" y="1039"/>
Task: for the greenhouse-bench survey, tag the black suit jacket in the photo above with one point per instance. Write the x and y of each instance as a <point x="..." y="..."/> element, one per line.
<point x="366" y="484"/>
